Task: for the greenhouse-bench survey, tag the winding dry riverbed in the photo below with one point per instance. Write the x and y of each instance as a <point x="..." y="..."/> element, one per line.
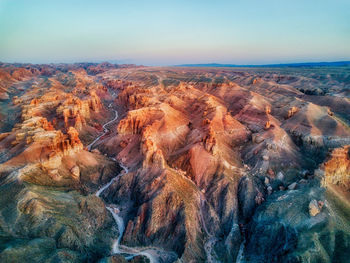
<point x="153" y="254"/>
<point x="105" y="130"/>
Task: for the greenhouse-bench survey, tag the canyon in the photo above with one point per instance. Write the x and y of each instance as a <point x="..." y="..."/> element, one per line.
<point x="122" y="163"/>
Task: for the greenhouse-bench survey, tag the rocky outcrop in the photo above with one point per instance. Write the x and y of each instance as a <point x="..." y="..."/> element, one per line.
<point x="315" y="130"/>
<point x="117" y="84"/>
<point x="193" y="132"/>
<point x="179" y="139"/>
<point x="314" y="208"/>
<point x="39" y="135"/>
<point x="75" y="111"/>
<point x="337" y="168"/>
<point x="219" y="163"/>
<point x="209" y="141"/>
<point x="296" y="223"/>
<point x="291" y="112"/>
<point x="47" y="178"/>
<point x="251" y="193"/>
<point x="54" y="225"/>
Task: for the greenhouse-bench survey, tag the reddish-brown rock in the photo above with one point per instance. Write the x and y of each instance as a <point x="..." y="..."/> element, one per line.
<point x="337" y="168"/>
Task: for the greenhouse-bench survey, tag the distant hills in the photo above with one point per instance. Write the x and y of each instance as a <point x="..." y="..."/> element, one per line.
<point x="304" y="64"/>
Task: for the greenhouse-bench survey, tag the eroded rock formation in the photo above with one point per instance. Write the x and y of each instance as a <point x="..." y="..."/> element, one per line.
<point x="218" y="160"/>
<point x="336" y="170"/>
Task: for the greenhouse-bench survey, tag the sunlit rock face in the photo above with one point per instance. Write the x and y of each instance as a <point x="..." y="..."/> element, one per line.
<point x="233" y="144"/>
<point x="337" y="168"/>
<point x="220" y="165"/>
<point x="46" y="175"/>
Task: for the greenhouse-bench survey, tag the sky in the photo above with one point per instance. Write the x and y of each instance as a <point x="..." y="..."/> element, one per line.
<point x="174" y="32"/>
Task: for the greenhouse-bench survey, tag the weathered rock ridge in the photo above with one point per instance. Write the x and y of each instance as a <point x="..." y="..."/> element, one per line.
<point x="224" y="165"/>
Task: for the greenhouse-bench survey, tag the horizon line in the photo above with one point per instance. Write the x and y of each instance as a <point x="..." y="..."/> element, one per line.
<point x="207" y="64"/>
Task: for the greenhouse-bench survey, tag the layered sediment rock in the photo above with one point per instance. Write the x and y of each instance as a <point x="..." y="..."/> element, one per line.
<point x="193" y="131"/>
<point x="47" y="178"/>
<point x="218" y="160"/>
<point x="337" y="168"/>
<point x="75" y="111"/>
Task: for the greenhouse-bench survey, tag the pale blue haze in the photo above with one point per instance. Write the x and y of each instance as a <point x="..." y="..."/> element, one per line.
<point x="174" y="32"/>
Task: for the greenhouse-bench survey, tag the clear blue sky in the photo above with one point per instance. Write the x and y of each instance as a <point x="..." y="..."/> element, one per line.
<point x="174" y="32"/>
